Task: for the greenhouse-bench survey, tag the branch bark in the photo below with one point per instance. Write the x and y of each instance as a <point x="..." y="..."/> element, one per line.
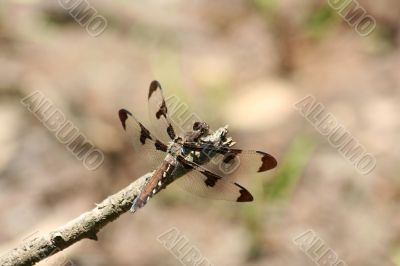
<point x="88" y="224"/>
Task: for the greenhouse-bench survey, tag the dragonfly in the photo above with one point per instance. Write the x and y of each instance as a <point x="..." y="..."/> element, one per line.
<point x="193" y="159"/>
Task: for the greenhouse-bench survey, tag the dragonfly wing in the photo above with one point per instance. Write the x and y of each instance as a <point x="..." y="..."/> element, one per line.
<point x="204" y="183"/>
<point x="142" y="140"/>
<point x="230" y="162"/>
<point x="158" y="113"/>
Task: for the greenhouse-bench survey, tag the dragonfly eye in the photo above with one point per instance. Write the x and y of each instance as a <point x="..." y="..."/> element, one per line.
<point x="196" y="125"/>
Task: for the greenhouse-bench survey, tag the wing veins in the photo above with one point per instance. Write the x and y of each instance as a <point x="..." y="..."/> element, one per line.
<point x="161" y="112"/>
<point x="267" y="161"/>
<point x="213" y="180"/>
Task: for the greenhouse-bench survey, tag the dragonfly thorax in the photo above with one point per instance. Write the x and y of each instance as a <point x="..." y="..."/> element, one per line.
<point x="200" y="129"/>
<point x="175" y="147"/>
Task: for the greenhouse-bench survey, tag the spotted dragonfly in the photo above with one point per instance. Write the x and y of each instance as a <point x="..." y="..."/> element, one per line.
<point x="193" y="153"/>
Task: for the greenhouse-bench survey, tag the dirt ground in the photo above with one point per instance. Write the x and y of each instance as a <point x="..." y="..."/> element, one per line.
<point x="236" y="62"/>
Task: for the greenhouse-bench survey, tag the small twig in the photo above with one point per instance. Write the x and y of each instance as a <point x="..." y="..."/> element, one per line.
<point x="88" y="224"/>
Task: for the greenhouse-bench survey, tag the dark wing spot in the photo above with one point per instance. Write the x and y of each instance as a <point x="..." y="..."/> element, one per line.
<point x="196" y="126"/>
<point x="231" y="155"/>
<point x="268" y="162"/>
<point x="162" y="111"/>
<point x="144" y="134"/>
<point x="153" y="87"/>
<point x="123" y="116"/>
<point x="186" y="164"/>
<point x="244" y="194"/>
<point x="211" y="178"/>
<point x="171" y="132"/>
<point x="160" y="146"/>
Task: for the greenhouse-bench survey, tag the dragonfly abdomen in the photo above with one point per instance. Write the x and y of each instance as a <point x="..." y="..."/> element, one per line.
<point x="158" y="181"/>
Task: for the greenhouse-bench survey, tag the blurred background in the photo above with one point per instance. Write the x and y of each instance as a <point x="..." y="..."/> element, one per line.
<point x="244" y="63"/>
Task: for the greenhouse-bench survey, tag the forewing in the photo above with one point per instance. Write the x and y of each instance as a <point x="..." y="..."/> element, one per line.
<point x="141" y="138"/>
<point x="231" y="163"/>
<point x="158" y="113"/>
<point x="204" y="183"/>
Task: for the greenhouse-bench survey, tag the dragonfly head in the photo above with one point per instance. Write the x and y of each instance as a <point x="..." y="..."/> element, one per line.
<point x="201" y="127"/>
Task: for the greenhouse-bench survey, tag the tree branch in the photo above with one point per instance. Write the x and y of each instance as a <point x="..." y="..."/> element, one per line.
<point x="88" y="224"/>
